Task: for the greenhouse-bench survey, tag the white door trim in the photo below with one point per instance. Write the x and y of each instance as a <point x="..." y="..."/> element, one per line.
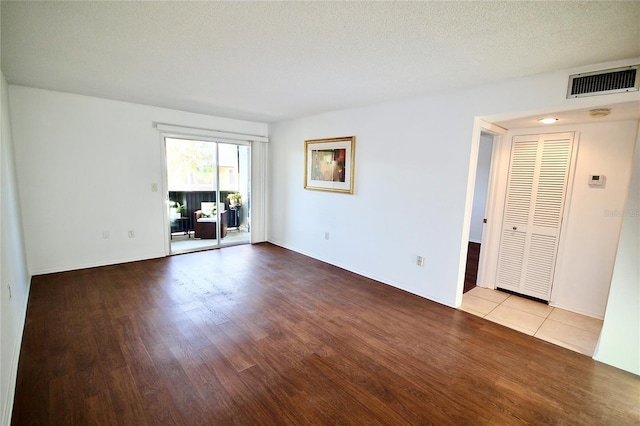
<point x="479" y="126"/>
<point x="488" y="262"/>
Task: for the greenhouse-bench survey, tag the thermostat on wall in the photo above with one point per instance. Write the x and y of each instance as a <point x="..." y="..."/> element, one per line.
<point x="597" y="180"/>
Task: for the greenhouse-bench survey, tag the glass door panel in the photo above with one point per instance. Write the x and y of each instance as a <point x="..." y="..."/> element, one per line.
<point x="209" y="194"/>
<point x="235" y="186"/>
<point x="192" y="177"/>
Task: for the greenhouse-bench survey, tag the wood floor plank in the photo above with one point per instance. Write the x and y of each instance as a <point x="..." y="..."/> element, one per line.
<point x="251" y="335"/>
<point x="184" y="396"/>
<point x="62" y="398"/>
<point x="108" y="347"/>
<point x="150" y="384"/>
<point x="126" y="400"/>
<point x="100" y="410"/>
<point x="216" y="335"/>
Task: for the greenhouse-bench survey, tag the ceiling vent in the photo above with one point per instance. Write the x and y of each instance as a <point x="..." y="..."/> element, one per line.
<point x="616" y="80"/>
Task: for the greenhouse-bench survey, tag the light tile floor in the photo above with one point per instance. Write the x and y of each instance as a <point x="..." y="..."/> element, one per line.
<point x="563" y="328"/>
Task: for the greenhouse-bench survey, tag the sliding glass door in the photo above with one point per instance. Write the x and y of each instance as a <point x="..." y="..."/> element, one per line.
<point x="208" y="194"/>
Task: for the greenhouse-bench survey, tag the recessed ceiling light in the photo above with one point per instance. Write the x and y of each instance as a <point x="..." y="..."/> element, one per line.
<point x="548" y="120"/>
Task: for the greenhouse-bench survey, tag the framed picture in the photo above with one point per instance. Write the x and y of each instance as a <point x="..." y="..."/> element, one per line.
<point x="329" y="164"/>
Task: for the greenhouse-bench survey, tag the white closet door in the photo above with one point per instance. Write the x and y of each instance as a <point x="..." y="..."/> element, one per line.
<point x="534" y="204"/>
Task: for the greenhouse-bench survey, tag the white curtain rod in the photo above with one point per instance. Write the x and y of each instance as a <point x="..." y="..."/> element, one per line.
<point x="212" y="133"/>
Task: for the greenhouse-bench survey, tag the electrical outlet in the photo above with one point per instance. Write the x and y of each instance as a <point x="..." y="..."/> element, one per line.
<point x="105" y="234"/>
<point x="420" y="261"/>
<point x="132" y="234"/>
<point x="326" y="235"/>
<point x="154" y="187"/>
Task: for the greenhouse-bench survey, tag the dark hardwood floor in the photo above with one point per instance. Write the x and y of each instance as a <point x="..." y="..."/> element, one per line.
<point x="471" y="272"/>
<point x="258" y="335"/>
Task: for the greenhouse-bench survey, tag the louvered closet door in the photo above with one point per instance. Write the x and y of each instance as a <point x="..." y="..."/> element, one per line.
<point x="534" y="205"/>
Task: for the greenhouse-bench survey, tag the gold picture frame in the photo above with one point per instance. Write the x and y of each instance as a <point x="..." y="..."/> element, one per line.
<point x="329" y="164"/>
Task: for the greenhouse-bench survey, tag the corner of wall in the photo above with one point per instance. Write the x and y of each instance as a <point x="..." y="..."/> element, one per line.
<point x="619" y="343"/>
<point x="15" y="277"/>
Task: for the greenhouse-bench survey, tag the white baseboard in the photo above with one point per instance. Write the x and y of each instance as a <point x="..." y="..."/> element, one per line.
<point x="13" y="366"/>
<point x="576" y="310"/>
<point x="97" y="264"/>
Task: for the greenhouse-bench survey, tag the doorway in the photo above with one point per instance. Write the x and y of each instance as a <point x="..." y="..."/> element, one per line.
<point x="479" y="210"/>
<point x="208" y="194"/>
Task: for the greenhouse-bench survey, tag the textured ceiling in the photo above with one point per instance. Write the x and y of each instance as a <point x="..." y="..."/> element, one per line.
<point x="269" y="61"/>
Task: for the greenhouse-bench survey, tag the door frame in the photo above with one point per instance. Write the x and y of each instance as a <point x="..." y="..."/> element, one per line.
<point x="487" y="263"/>
<point x="486" y="260"/>
<point x="165" y="178"/>
<point x="496" y="194"/>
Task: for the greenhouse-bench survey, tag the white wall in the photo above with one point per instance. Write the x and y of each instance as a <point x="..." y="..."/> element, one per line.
<point x="409" y="169"/>
<point x="619" y="343"/>
<point x="590" y="234"/>
<point x="412" y="166"/>
<point x="86" y="165"/>
<point x="13" y="267"/>
<point x="481" y="187"/>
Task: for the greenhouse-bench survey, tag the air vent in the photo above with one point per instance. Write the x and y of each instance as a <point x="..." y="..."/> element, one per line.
<point x="617" y="80"/>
